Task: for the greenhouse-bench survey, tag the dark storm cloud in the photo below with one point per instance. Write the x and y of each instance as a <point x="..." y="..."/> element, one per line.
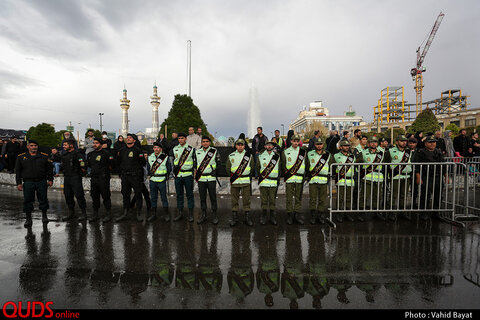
<point x="12" y="80"/>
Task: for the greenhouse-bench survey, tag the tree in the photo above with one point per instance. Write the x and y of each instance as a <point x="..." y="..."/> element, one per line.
<point x="45" y="135"/>
<point x="183" y="114"/>
<point x="426" y="122"/>
<point x="454" y="128"/>
<point x="96" y="133"/>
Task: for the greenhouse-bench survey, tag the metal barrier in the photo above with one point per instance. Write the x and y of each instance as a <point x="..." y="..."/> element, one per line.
<point x="387" y="189"/>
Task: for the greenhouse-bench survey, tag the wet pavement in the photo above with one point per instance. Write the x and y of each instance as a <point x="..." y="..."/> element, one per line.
<point x="369" y="265"/>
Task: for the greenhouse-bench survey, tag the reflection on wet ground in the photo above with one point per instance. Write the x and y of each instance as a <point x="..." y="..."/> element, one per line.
<point x="184" y="265"/>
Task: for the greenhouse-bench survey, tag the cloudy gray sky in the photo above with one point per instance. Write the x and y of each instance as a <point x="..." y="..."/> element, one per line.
<point x="67" y="61"/>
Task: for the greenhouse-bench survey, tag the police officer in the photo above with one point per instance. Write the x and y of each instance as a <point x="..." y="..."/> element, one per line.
<point x="268" y="165"/>
<point x="430" y="179"/>
<point x="33" y="174"/>
<point x="130" y="162"/>
<point x="206" y="177"/>
<point x="345" y="180"/>
<point x="183" y="165"/>
<point x="373" y="175"/>
<point x="317" y="166"/>
<point x="293" y="164"/>
<point x="400" y="176"/>
<point x="100" y="162"/>
<point x="240" y="166"/>
<point x="73" y="166"/>
<point x="159" y="171"/>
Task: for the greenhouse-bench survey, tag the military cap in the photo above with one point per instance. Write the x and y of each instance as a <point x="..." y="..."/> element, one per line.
<point x="157" y="144"/>
<point x="344" y="142"/>
<point x="413" y="139"/>
<point x="97" y="139"/>
<point x="402" y="138"/>
<point x="373" y="139"/>
<point x="206" y="138"/>
<point x="182" y="134"/>
<point x="431" y="139"/>
<point x="319" y="141"/>
<point x="273" y="143"/>
<point x="295" y="137"/>
<point x="240" y="141"/>
<point x="32" y="141"/>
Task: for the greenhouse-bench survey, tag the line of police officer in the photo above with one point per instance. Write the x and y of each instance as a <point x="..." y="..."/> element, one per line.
<point x="34" y="175"/>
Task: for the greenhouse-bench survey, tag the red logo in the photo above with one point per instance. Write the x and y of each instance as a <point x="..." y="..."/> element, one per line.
<point x="35" y="309"/>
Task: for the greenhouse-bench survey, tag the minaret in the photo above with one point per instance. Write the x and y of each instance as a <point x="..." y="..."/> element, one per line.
<point x="155" y="102"/>
<point x="125" y="105"/>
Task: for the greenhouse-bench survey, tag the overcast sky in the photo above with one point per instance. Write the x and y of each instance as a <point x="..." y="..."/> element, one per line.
<point x="67" y="61"/>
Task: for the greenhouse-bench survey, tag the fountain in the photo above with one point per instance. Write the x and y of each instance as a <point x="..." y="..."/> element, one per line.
<point x="253" y="120"/>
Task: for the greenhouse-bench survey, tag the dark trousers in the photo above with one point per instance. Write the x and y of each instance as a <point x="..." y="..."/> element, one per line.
<point x="129" y="182"/>
<point x="29" y="190"/>
<point x="180" y="184"/>
<point x="158" y="187"/>
<point x="100" y="186"/>
<point x="73" y="188"/>
<point x="146" y="196"/>
<point x="211" y="187"/>
<point x="431" y="189"/>
<point x="11" y="159"/>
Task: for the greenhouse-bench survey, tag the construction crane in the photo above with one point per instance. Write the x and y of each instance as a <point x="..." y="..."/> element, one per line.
<point x="420" y="69"/>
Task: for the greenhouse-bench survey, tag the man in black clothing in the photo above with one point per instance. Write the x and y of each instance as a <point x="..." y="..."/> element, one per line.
<point x="100" y="162"/>
<point x="34" y="174"/>
<point x="258" y="144"/>
<point x="131" y="162"/>
<point x="311" y="142"/>
<point x="460" y="143"/>
<point x="11" y="151"/>
<point x="73" y="166"/>
<point x="106" y="143"/>
<point x="332" y="143"/>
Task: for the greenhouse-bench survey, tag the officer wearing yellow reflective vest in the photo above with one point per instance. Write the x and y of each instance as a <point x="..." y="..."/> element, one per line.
<point x="293" y="164"/>
<point x="268" y="165"/>
<point x="344" y="177"/>
<point x="373" y="175"/>
<point x="400" y="175"/>
<point x="159" y="169"/>
<point x="317" y="167"/>
<point x="206" y="177"/>
<point x="240" y="166"/>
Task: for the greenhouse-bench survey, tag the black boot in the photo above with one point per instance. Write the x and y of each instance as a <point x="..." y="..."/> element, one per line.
<point x="71" y="215"/>
<point x="166" y="215"/>
<point x="94" y="216"/>
<point x="322" y="217"/>
<point x="139" y="215"/>
<point x="203" y="217"/>
<point x="214" y="217"/>
<point x="392" y="216"/>
<point x="233" y="222"/>
<point x="381" y="216"/>
<point x="406" y="216"/>
<point x="289" y="217"/>
<point x="313" y="216"/>
<point x="339" y="217"/>
<point x="179" y="215"/>
<point x="153" y="217"/>
<point x="108" y="216"/>
<point x="44" y="217"/>
<point x="349" y="217"/>
<point x="248" y="219"/>
<point x="123" y="217"/>
<point x="298" y="218"/>
<point x="28" y="221"/>
<point x="263" y="217"/>
<point x="273" y="217"/>
<point x="83" y="215"/>
<point x="190" y="215"/>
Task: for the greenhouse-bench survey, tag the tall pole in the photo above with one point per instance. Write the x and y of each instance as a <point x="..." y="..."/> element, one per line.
<point x="189" y="67"/>
<point x="101" y="125"/>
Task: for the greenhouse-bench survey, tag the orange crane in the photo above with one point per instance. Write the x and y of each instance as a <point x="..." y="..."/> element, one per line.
<point x="419" y="69"/>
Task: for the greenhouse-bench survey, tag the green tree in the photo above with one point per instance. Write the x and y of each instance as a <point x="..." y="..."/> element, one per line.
<point x="454" y="128"/>
<point x="45" y="135"/>
<point x="183" y="114"/>
<point x="426" y="122"/>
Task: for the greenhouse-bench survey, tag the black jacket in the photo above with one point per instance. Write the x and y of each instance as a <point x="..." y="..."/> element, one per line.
<point x="131" y="160"/>
<point x="35" y="168"/>
<point x="100" y="162"/>
<point x="73" y="163"/>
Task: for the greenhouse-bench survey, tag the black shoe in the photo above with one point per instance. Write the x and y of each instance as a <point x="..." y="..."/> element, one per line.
<point x="179" y="215"/>
<point x="83" y="216"/>
<point x="273" y="217"/>
<point x="248" y="220"/>
<point x="263" y="217"/>
<point x="339" y="217"/>
<point x="214" y="217"/>
<point x="94" y="217"/>
<point x="153" y="217"/>
<point x="108" y="217"/>
<point x="203" y="217"/>
<point x="233" y="222"/>
<point x="381" y="216"/>
<point x="71" y="215"/>
<point x="44" y="217"/>
<point x="289" y="217"/>
<point x="322" y="217"/>
<point x="313" y="216"/>
<point x="28" y="222"/>
<point x="190" y="215"/>
<point x="349" y="217"/>
<point x="298" y="218"/>
<point x="392" y="216"/>
<point x="406" y="216"/>
<point x="123" y="217"/>
<point x="166" y="215"/>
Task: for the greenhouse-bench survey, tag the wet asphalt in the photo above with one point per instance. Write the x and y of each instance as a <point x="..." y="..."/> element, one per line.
<point x="181" y="265"/>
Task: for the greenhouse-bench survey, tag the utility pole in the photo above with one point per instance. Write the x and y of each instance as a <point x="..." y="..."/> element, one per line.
<point x="189" y="67"/>
<point x="101" y="125"/>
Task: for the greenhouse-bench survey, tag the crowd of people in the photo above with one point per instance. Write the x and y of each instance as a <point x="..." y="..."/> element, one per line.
<point x="191" y="158"/>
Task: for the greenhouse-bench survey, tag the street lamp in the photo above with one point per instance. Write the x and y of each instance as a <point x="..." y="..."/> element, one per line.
<point x="283" y="129"/>
<point x="101" y="125"/>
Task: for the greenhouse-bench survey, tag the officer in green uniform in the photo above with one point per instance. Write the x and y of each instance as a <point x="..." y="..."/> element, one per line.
<point x="268" y="165"/>
<point x="159" y="169"/>
<point x="240" y="166"/>
<point x="400" y="176"/>
<point x="345" y="179"/>
<point x="293" y="164"/>
<point x="33" y="174"/>
<point x="206" y="178"/>
<point x="373" y="175"/>
<point x="317" y="167"/>
<point x="183" y="163"/>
